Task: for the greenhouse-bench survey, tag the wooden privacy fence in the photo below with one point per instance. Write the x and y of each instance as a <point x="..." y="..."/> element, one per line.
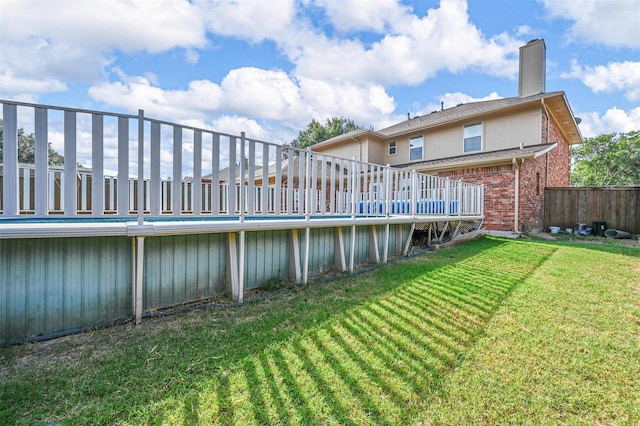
<point x="619" y="207"/>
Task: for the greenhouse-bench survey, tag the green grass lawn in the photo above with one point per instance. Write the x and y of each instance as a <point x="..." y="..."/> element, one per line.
<point x="493" y="331"/>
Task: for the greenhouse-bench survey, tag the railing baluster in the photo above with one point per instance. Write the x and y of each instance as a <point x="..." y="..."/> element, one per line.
<point x="123" y="166"/>
<point x="278" y="182"/>
<point x="232" y="192"/>
<point x="97" y="165"/>
<point x="265" y="179"/>
<point x="42" y="162"/>
<point x="70" y="166"/>
<point x="176" y="188"/>
<point x="251" y="179"/>
<point x="215" y="174"/>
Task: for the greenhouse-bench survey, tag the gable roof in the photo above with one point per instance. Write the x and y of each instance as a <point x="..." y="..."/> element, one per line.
<point x="481" y="159"/>
<point x="555" y="103"/>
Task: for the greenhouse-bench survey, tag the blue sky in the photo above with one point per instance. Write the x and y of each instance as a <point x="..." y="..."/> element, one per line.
<point x="269" y="67"/>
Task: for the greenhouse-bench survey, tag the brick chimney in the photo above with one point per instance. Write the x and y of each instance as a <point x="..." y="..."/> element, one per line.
<point x="533" y="58"/>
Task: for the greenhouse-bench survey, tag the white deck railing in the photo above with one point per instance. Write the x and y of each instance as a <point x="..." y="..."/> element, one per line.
<point x="227" y="175"/>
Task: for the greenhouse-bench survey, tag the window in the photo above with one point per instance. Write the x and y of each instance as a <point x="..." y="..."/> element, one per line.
<point x="415" y="148"/>
<point x="473" y="137"/>
<point x="393" y="148"/>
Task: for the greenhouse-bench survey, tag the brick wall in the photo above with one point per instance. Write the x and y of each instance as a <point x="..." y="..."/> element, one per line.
<point x="531" y="201"/>
<point x="559" y="160"/>
<point x="499" y="193"/>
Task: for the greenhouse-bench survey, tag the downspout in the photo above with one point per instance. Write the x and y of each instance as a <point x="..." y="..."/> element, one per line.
<point x="517" y="194"/>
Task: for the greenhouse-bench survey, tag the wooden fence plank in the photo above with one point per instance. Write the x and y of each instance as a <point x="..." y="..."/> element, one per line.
<point x="619" y="207"/>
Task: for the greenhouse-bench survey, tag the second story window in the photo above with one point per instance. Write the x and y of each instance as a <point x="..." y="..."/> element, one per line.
<point x="473" y="137"/>
<point x="393" y="148"/>
<point x="415" y="148"/>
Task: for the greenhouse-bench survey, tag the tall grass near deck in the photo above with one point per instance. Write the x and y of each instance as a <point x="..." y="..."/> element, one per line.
<point x="492" y="331"/>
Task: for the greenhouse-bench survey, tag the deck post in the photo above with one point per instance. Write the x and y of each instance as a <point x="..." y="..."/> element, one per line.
<point x="374" y="253"/>
<point x="239" y="296"/>
<point x="294" y="257"/>
<point x="307" y="237"/>
<point x="339" y="257"/>
<point x="407" y="245"/>
<point x="385" y="250"/>
<point x="232" y="266"/>
<point x="352" y="253"/>
<point x="137" y="245"/>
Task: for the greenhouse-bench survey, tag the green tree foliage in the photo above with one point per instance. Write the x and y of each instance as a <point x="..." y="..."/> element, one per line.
<point x="316" y="132"/>
<point x="607" y="160"/>
<point x="27" y="148"/>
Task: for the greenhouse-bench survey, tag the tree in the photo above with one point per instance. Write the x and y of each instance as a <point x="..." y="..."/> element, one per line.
<point x="27" y="148"/>
<point x="607" y="160"/>
<point x="316" y="132"/>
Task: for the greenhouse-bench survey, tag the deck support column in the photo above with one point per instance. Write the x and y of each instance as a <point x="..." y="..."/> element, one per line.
<point x="352" y="254"/>
<point x="339" y="255"/>
<point x="407" y="245"/>
<point x="137" y="275"/>
<point x="385" y="252"/>
<point x="374" y="253"/>
<point x="307" y="237"/>
<point x="295" y="271"/>
<point x="235" y="266"/>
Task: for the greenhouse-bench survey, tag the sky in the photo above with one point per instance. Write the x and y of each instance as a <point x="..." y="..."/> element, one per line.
<point x="269" y="67"/>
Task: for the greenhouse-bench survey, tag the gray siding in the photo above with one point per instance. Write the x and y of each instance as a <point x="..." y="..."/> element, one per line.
<point x="50" y="285"/>
<point x="57" y="285"/>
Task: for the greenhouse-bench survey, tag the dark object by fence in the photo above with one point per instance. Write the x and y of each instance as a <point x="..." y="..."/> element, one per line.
<point x="618" y="206"/>
<point x="599" y="228"/>
<point x="614" y="233"/>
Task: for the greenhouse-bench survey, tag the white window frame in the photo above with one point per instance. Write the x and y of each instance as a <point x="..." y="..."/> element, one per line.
<point x="471" y="133"/>
<point x="393" y="148"/>
<point x="415" y="148"/>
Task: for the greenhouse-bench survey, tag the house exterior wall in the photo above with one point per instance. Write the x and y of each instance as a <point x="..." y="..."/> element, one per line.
<point x="499" y="193"/>
<point x="350" y="149"/>
<point x="511" y="130"/>
<point x="559" y="160"/>
<point x="531" y="198"/>
<point x="502" y="132"/>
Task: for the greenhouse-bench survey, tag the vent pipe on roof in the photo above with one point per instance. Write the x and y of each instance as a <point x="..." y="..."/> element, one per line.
<point x="441" y="106"/>
<point x="532" y="78"/>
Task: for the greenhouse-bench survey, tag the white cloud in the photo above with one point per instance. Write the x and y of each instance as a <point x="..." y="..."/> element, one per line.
<point x="248" y="20"/>
<point x="251" y="92"/>
<point x="412" y="52"/>
<point x="131" y="93"/>
<point x="615" y="76"/>
<point x="365" y="104"/>
<point x="611" y="22"/>
<point x="262" y="93"/>
<point x="12" y="85"/>
<point x="358" y="15"/>
<point x="450" y="100"/>
<point x="58" y="41"/>
<point x="613" y="120"/>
